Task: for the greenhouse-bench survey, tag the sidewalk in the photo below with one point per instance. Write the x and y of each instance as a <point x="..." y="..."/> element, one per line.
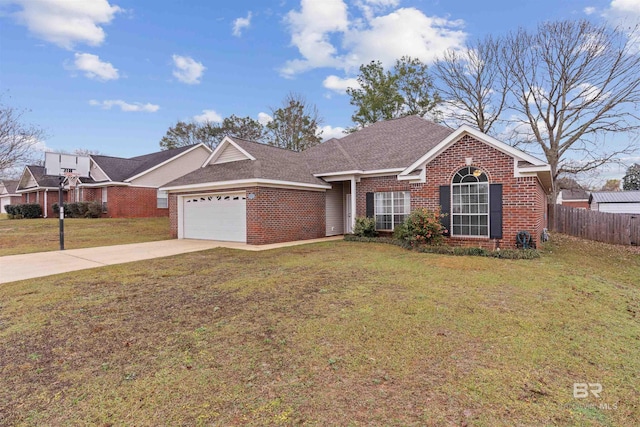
<point x="40" y="264"/>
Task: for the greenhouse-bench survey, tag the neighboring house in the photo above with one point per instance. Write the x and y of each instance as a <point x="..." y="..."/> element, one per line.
<point x="35" y="186"/>
<point x="615" y="201"/>
<point x="8" y="195"/>
<point x="254" y="193"/>
<point x="129" y="187"/>
<point x="574" y="198"/>
<point x="126" y="187"/>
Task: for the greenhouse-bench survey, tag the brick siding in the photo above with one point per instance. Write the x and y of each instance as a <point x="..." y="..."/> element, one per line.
<point x="523" y="199"/>
<point x="274" y="215"/>
<point x="130" y="202"/>
<point x="38" y="197"/>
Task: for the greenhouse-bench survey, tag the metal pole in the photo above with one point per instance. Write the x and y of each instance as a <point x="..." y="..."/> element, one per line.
<point x="61" y="207"/>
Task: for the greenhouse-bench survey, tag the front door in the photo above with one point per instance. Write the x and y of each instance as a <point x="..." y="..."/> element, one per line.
<point x="347" y="214"/>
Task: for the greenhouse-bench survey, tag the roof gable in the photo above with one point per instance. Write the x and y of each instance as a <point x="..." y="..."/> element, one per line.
<point x="8" y="186"/>
<point x="228" y="151"/>
<point x="34" y="177"/>
<point x="119" y="169"/>
<point x="455" y="136"/>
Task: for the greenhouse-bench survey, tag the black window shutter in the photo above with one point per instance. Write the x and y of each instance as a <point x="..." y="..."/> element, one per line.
<point x="495" y="211"/>
<point x="369" y="205"/>
<point x="445" y="207"/>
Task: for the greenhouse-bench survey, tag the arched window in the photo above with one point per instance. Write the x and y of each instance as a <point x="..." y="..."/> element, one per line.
<point x="470" y="203"/>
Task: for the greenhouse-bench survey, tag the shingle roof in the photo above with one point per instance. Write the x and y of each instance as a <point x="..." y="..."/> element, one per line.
<point x="50" y="181"/>
<point x="395" y="143"/>
<point x="120" y="169"/>
<point x="10" y="185"/>
<point x="575" y="194"/>
<point x="271" y="163"/>
<point x="615" y="197"/>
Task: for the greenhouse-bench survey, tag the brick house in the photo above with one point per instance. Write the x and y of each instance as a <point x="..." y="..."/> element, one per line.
<point x="35" y="186"/>
<point x="250" y="192"/>
<point x="8" y="195"/>
<point x="126" y="187"/>
<point x="574" y="198"/>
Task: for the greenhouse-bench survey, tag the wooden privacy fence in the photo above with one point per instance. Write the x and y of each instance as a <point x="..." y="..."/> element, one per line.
<point x="620" y="229"/>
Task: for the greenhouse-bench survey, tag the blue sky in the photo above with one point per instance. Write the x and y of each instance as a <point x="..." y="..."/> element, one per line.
<point x="113" y="75"/>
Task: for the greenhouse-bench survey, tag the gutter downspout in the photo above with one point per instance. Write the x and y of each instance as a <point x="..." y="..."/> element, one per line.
<point x="353" y="202"/>
<point x="46" y="190"/>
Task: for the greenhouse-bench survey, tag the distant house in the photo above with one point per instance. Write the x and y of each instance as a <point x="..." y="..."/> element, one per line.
<point x="615" y="201"/>
<point x="126" y="187"/>
<point x="574" y="198"/>
<point x="258" y="194"/>
<point x="35" y="186"/>
<point x="8" y="195"/>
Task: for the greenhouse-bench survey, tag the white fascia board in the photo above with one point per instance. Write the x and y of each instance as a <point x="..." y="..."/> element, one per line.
<point x="246" y="183"/>
<point x="448" y="141"/>
<point x="107" y="184"/>
<point x="177" y="156"/>
<point x="33" y="189"/>
<point x="216" y="153"/>
<point x="98" y="166"/>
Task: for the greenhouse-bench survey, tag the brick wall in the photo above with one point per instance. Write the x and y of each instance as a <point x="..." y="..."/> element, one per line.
<point x="274" y="215"/>
<point x="281" y="215"/>
<point x="131" y="202"/>
<point x="38" y="197"/>
<point x="524" y="200"/>
<point x="579" y="205"/>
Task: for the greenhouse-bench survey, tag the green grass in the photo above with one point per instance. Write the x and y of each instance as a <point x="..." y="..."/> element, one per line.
<point x="337" y="333"/>
<point x="20" y="236"/>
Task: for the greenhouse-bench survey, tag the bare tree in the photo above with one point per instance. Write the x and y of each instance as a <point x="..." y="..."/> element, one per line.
<point x="574" y="83"/>
<point x="17" y="139"/>
<point x="473" y="85"/>
<point x="294" y="125"/>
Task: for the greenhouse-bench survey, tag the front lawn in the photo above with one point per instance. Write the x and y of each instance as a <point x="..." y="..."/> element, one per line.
<point x="337" y="333"/>
<point x="21" y="236"/>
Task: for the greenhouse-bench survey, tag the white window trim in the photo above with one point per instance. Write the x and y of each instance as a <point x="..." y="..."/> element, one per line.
<point x="160" y="193"/>
<point x="487" y="214"/>
<point x="393" y="212"/>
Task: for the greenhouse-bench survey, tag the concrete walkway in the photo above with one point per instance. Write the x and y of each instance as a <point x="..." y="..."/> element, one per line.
<point x="40" y="264"/>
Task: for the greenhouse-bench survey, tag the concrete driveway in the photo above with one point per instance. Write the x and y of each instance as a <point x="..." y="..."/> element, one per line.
<point x="29" y="266"/>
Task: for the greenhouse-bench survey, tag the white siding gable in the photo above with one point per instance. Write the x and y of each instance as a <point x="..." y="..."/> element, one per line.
<point x="230" y="154"/>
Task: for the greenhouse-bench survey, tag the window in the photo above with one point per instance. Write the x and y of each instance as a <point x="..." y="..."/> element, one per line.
<point x="391" y="209"/>
<point x="104" y="199"/>
<point x="470" y="203"/>
<point x="163" y="200"/>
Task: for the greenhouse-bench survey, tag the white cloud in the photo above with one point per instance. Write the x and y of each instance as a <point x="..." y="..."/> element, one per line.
<point x="94" y="68"/>
<point x="264" y="118"/>
<point x="125" y="106"/>
<point x="326" y="37"/>
<point x="66" y="22"/>
<point x="187" y="70"/>
<point x="340" y="85"/>
<point x="240" y="24"/>
<point x="329" y="132"/>
<point x="629" y="6"/>
<point x="589" y="10"/>
<point x="310" y="30"/>
<point x="208" y="116"/>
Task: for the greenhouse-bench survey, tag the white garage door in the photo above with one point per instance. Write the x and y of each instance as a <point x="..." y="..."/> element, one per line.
<point x="215" y="217"/>
<point x="4" y="201"/>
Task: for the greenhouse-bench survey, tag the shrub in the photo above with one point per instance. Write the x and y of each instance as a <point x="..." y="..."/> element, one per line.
<point x="27" y="210"/>
<point x="12" y="211"/>
<point x="94" y="210"/>
<point x="422" y="227"/>
<point x="365" y="227"/>
<point x="450" y="250"/>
